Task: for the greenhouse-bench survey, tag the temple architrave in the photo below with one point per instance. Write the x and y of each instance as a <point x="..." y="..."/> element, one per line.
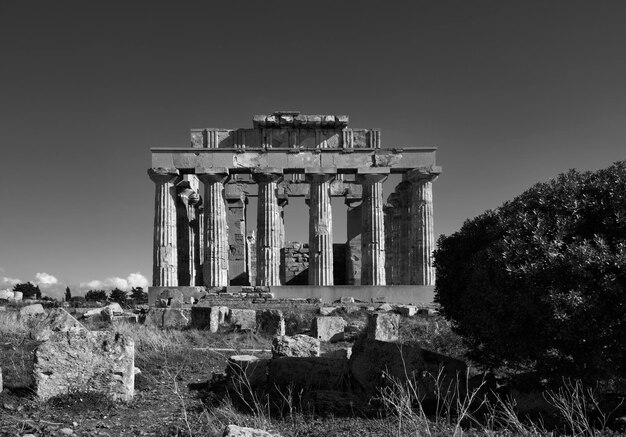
<point x="201" y="241"/>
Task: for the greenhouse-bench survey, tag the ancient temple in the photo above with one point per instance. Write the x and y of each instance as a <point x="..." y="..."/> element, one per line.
<point x="200" y="237"/>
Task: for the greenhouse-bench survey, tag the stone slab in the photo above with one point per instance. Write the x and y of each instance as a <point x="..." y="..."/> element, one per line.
<point x="328" y="328"/>
<point x="187" y="291"/>
<point x="401" y="294"/>
<point x="83" y="361"/>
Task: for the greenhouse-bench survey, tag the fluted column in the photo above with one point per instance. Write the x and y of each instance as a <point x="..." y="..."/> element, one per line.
<point x="187" y="224"/>
<point x="353" y="243"/>
<point x="215" y="266"/>
<point x="403" y="269"/>
<point x="164" y="260"/>
<point x="199" y="244"/>
<point x="421" y="230"/>
<point x="320" y="229"/>
<point x="268" y="228"/>
<point x="373" y="228"/>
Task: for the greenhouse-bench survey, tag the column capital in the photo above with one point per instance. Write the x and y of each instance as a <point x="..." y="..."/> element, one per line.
<point x="208" y="175"/>
<point x="162" y="175"/>
<point x="426" y="174"/>
<point x="268" y="174"/>
<point x="365" y="176"/>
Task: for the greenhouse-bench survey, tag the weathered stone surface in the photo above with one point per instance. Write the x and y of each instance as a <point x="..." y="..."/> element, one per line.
<point x="270" y="322"/>
<point x="346" y="300"/>
<point x="344" y="353"/>
<point x="242" y="319"/>
<point x="240" y="431"/>
<point x="126" y="317"/>
<point x="170" y="296"/>
<point x="111" y="310"/>
<point x="268" y="242"/>
<point x="384" y="307"/>
<point x="373" y="361"/>
<point x="32" y="310"/>
<point x="6" y="294"/>
<point x="17" y="296"/>
<point x="57" y="320"/>
<point x="299" y="345"/>
<point x="311" y="373"/>
<point x="326" y="311"/>
<point x="383" y="326"/>
<point x="85" y="361"/>
<point x="175" y="318"/>
<point x="328" y="328"/>
<point x="354" y="330"/>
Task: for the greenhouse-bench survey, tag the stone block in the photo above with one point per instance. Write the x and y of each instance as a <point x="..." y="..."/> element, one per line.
<point x="242" y="319"/>
<point x="57" y="320"/>
<point x="17" y="296"/>
<point x="247" y="370"/>
<point x="6" y="294"/>
<point x="299" y="345"/>
<point x="205" y="318"/>
<point x="222" y="314"/>
<point x="344" y="352"/>
<point x="175" y="318"/>
<point x="126" y="317"/>
<point x="383" y="326"/>
<point x="270" y="322"/>
<point x="242" y="431"/>
<point x="406" y="310"/>
<point x="32" y="311"/>
<point x="346" y="300"/>
<point x="354" y="329"/>
<point x="84" y="361"/>
<point x="310" y="373"/>
<point x="326" y="311"/>
<point x="328" y="328"/>
<point x="384" y="307"/>
<point x="372" y="363"/>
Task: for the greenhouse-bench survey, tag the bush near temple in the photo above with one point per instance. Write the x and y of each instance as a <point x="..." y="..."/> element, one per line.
<point x="540" y="283"/>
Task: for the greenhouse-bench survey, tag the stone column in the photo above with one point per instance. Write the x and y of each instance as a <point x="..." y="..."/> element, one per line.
<point x="320" y="229"/>
<point x="187" y="224"/>
<point x="199" y="243"/>
<point x="353" y="245"/>
<point x="236" y="219"/>
<point x="268" y="228"/>
<point x="421" y="231"/>
<point x="389" y="258"/>
<point x="215" y="267"/>
<point x="373" y="228"/>
<point x="404" y="221"/>
<point x="164" y="260"/>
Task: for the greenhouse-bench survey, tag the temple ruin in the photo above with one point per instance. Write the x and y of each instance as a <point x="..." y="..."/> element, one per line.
<point x="201" y="241"/>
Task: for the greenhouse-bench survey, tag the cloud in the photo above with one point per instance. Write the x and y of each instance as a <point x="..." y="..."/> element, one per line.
<point x="6" y="282"/>
<point x="45" y="279"/>
<point x="133" y="280"/>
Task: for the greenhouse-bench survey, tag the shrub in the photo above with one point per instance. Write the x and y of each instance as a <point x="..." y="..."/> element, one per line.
<point x="540" y="283"/>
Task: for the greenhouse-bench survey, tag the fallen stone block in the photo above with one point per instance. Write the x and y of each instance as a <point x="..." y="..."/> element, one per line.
<point x="373" y="362"/>
<point x="383" y="326"/>
<point x="309" y="373"/>
<point x="328" y="328"/>
<point x="175" y="318"/>
<point x="85" y="361"/>
<point x="57" y="320"/>
<point x="33" y="310"/>
<point x="406" y="310"/>
<point x="203" y="317"/>
<point x="384" y="307"/>
<point x="247" y="371"/>
<point x="344" y="352"/>
<point x="326" y="311"/>
<point x="18" y="296"/>
<point x="354" y="330"/>
<point x="346" y="300"/>
<point x="299" y="345"/>
<point x="168" y="297"/>
<point x="270" y="322"/>
<point x="242" y="319"/>
<point x="240" y="431"/>
<point x="126" y="317"/>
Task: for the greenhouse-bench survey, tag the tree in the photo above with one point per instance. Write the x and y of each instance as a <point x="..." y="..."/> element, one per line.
<point x="68" y="294"/>
<point x="96" y="295"/>
<point x="138" y="295"/>
<point x="29" y="290"/>
<point x="118" y="296"/>
<point x="540" y="283"/>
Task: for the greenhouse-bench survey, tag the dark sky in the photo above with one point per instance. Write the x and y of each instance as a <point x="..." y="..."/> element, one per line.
<point x="511" y="92"/>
